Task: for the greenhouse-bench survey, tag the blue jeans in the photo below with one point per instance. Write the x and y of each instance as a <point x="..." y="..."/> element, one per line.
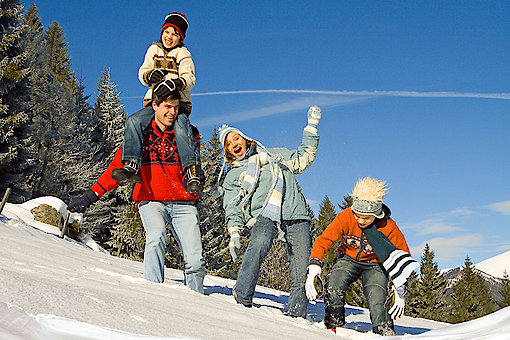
<point x="183" y="222"/>
<point x="375" y="282"/>
<point x="141" y="120"/>
<point x="298" y="246"/>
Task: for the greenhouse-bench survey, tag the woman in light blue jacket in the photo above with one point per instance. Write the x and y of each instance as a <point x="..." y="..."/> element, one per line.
<point x="261" y="193"/>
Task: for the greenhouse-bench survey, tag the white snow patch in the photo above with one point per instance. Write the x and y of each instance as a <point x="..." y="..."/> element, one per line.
<point x="52" y="289"/>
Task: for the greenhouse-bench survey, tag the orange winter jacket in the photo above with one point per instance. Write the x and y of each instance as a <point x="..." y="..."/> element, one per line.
<point x="352" y="241"/>
<point x="161" y="169"/>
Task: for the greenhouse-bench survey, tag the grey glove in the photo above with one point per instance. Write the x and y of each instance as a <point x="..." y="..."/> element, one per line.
<point x="81" y="203"/>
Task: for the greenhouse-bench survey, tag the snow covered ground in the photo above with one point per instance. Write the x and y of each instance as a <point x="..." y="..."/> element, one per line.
<point x="52" y="288"/>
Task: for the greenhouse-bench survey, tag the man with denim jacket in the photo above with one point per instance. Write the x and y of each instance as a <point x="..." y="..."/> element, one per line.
<point x="161" y="197"/>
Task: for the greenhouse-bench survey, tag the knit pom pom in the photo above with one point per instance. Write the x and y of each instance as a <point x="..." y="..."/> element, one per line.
<point x="369" y="189"/>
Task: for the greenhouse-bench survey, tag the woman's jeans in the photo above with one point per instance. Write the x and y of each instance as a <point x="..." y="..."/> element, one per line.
<point x="298" y="246"/>
<point x="345" y="272"/>
<point x="183" y="222"/>
<point x="141" y="120"/>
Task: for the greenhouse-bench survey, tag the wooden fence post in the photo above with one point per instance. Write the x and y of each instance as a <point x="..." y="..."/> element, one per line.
<point x="4" y="200"/>
<point x="64" y="226"/>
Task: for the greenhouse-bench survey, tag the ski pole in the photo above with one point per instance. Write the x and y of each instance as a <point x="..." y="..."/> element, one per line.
<point x="64" y="226"/>
<point x="6" y="195"/>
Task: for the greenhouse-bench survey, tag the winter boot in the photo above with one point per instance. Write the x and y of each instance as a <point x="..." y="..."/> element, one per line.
<point x="334" y="317"/>
<point x="245" y="304"/>
<point x="384" y="329"/>
<point x="192" y="179"/>
<point x="130" y="171"/>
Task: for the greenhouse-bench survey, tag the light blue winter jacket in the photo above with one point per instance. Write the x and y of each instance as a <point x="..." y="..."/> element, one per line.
<point x="293" y="203"/>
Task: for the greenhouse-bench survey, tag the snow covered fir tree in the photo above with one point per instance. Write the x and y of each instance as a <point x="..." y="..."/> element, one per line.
<point x="427" y="293"/>
<point x="55" y="140"/>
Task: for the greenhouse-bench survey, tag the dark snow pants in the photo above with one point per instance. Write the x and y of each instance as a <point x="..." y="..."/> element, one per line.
<point x="344" y="273"/>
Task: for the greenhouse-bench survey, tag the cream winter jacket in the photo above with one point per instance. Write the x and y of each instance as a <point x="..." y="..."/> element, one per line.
<point x="179" y="64"/>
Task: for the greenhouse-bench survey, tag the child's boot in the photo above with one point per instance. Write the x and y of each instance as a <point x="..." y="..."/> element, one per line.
<point x="334" y="318"/>
<point x="130" y="171"/>
<point x="192" y="179"/>
<point x="384" y="329"/>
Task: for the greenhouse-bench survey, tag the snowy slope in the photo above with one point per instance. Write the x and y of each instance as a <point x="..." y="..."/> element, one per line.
<point x="496" y="265"/>
<point x="60" y="289"/>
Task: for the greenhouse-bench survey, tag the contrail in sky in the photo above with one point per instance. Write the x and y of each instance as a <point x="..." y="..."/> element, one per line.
<point x="433" y="94"/>
<point x="440" y="94"/>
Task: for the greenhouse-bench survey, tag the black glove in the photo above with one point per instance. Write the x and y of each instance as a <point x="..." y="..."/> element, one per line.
<point x="154" y="76"/>
<point x="81" y="203"/>
<point x="166" y="87"/>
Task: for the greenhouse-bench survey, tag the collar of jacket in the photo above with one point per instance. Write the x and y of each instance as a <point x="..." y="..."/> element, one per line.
<point x="163" y="134"/>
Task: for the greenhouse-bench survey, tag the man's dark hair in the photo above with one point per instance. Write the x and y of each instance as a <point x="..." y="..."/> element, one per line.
<point x="172" y="96"/>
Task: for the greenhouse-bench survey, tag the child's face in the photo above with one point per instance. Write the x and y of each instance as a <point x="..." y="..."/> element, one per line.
<point x="170" y="37"/>
<point x="236" y="145"/>
<point x="364" y="220"/>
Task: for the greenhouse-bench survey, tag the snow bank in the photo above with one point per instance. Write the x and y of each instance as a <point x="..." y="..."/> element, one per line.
<point x="52" y="288"/>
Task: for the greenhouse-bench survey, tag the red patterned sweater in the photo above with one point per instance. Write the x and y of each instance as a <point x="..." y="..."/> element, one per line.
<point x="161" y="169"/>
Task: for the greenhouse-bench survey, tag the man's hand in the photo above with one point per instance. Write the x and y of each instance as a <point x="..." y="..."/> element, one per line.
<point x="81" y="203"/>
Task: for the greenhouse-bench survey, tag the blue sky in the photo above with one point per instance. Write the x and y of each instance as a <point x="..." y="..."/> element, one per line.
<point x="416" y="93"/>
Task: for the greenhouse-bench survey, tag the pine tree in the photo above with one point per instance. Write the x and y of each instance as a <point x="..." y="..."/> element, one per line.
<point x="505" y="291"/>
<point x="427" y="295"/>
<point x="128" y="240"/>
<point x="346" y="203"/>
<point x="327" y="214"/>
<point x="110" y="112"/>
<point x="471" y="296"/>
<point x="60" y="61"/>
<point x="215" y="237"/>
<point x="101" y="220"/>
<point x="53" y="107"/>
<point x="15" y="139"/>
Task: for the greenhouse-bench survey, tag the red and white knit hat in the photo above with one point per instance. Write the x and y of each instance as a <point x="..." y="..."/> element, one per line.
<point x="178" y="21"/>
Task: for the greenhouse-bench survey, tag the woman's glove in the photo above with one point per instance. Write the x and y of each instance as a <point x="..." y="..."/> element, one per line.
<point x="81" y="203"/>
<point x="154" y="76"/>
<point x="314" y="116"/>
<point x="397" y="296"/>
<point x="312" y="272"/>
<point x="235" y="241"/>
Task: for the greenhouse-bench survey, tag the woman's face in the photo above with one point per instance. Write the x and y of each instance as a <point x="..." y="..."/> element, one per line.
<point x="235" y="144"/>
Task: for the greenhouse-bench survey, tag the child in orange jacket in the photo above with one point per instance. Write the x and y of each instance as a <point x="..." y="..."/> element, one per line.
<point x="371" y="247"/>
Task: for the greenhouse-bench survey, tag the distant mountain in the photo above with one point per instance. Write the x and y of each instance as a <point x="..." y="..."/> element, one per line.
<point x="496" y="265"/>
<point x="491" y="269"/>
